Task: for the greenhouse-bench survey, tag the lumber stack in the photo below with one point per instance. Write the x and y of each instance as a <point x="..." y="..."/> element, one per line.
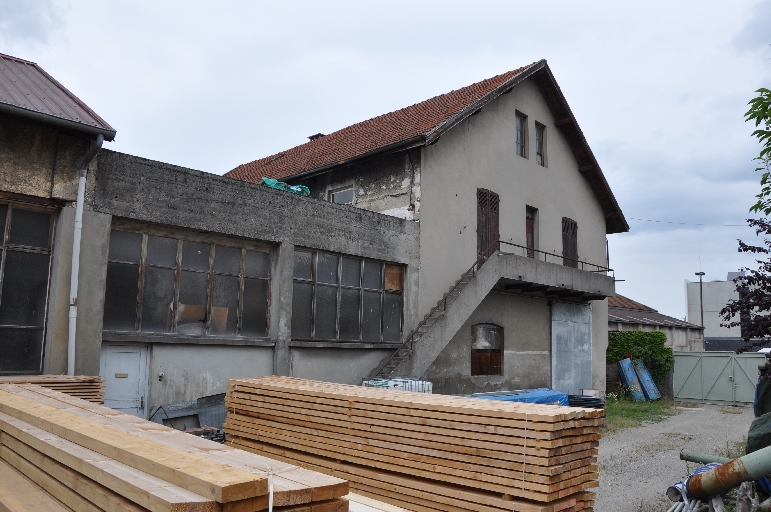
<point x="70" y="454"/>
<point x="82" y="386"/>
<point x="423" y="452"/>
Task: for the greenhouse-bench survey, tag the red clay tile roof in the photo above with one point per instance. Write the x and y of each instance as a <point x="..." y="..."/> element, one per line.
<point x="419" y="120"/>
<point x="619" y="301"/>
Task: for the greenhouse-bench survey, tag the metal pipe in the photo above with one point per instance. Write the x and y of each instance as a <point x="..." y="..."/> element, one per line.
<point x="753" y="466"/>
<point x="76" y="235"/>
<point x="702" y="458"/>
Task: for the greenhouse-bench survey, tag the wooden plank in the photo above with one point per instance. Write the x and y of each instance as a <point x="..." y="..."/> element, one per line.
<point x="102" y="497"/>
<point x="290" y="487"/>
<point x="379" y="506"/>
<point x="19" y="494"/>
<point x="205" y="477"/>
<point x="146" y="490"/>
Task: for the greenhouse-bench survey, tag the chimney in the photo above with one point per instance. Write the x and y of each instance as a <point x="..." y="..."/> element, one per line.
<point x="317" y="136"/>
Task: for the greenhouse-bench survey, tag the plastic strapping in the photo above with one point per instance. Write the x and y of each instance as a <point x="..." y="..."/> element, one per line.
<point x="524" y="455"/>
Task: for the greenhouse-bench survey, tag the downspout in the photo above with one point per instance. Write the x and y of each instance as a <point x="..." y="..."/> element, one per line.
<point x="76" y="253"/>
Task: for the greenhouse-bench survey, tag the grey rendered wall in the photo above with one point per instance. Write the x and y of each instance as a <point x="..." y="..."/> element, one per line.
<point x="716" y="296"/>
<point x="344" y="366"/>
<point x="480" y="152"/>
<point x="526" y="325"/>
<point x="191" y="372"/>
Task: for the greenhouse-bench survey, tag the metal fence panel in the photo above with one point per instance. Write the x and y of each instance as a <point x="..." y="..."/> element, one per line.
<point x="718" y="377"/>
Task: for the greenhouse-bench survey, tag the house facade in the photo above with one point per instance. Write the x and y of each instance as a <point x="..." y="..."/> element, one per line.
<point x="186" y="279"/>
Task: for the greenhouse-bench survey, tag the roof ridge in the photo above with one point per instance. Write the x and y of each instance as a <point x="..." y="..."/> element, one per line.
<point x="17" y="59"/>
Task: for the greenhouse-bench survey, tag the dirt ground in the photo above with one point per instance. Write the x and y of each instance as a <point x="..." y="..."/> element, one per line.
<point x="638" y="464"/>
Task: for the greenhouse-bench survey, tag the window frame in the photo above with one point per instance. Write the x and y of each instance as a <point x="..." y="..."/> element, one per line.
<point x="214" y="241"/>
<point x="331" y="193"/>
<point x="521" y="132"/>
<point x="314" y="282"/>
<point x="5" y="246"/>
<point x="540" y="157"/>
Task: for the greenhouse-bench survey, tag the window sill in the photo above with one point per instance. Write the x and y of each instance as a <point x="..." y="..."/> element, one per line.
<point x="144" y="337"/>
<point x="344" y="344"/>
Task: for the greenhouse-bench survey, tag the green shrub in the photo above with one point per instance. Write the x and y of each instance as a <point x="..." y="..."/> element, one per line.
<point x="648" y="346"/>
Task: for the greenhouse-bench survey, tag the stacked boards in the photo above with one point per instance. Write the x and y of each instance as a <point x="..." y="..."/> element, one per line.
<point x="75" y="455"/>
<point x="423" y="452"/>
<point x="81" y="386"/>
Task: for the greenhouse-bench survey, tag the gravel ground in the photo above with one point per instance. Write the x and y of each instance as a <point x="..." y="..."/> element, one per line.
<point x="638" y="464"/>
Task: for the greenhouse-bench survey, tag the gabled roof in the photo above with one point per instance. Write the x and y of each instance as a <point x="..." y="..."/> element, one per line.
<point x="27" y="90"/>
<point x="422" y="124"/>
<point x="624" y="310"/>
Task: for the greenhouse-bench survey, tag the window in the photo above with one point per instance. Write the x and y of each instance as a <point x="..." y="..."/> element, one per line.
<point x="522" y="135"/>
<point x="531" y="228"/>
<point x="344" y="196"/>
<point x="486" y="349"/>
<point x="569" y="242"/>
<point x="540" y="144"/>
<point x="25" y="262"/>
<point x="340" y="298"/>
<point x="157" y="284"/>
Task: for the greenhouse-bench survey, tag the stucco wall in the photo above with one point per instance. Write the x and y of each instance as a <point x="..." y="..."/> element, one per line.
<point x="481" y="153"/>
<point x="344" y="366"/>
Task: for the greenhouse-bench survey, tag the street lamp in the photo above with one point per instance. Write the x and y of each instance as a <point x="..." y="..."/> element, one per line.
<point x="701" y="298"/>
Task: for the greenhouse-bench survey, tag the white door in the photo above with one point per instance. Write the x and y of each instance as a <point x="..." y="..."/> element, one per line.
<point x="571" y="347"/>
<point x="125" y="370"/>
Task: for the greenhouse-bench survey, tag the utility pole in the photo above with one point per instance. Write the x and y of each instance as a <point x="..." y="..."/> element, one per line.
<point x="701" y="297"/>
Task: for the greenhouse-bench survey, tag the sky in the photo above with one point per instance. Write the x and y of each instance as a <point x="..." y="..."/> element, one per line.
<point x="659" y="89"/>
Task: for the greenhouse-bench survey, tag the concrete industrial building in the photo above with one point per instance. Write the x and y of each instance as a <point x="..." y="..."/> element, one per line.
<point x="624" y="314"/>
<point x="187" y="279"/>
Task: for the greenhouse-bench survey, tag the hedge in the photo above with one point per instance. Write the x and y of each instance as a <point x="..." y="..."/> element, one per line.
<point x="648" y="346"/>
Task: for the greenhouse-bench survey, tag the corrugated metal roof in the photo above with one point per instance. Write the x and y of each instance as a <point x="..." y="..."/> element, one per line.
<point x="646" y="317"/>
<point x="25" y="87"/>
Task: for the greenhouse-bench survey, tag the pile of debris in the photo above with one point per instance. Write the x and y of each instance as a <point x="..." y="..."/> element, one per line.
<point x="419" y="451"/>
<point x="60" y="453"/>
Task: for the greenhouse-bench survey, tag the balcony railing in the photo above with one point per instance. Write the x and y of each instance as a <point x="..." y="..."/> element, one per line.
<point x="553" y="257"/>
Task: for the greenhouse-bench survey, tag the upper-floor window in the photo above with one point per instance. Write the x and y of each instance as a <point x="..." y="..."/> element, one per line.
<point x="522" y="135"/>
<point x="25" y="262"/>
<point x="344" y="196"/>
<point x="569" y="242"/>
<point x="531" y="230"/>
<point x="338" y="297"/>
<point x="158" y="284"/>
<point x="540" y="144"/>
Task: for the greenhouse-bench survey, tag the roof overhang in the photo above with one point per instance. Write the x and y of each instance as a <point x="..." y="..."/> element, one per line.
<point x="108" y="135"/>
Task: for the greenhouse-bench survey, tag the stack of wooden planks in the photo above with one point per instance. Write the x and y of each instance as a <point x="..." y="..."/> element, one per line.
<point x="82" y="386"/>
<point x="423" y="452"/>
<point x="62" y="453"/>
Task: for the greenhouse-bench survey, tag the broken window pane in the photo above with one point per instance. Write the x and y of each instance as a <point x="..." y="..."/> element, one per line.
<point x="195" y="256"/>
<point x="224" y="304"/>
<point x="302" y="294"/>
<point x="351" y="272"/>
<point x="120" y="297"/>
<point x="227" y="260"/>
<point x="157" y="300"/>
<point x="21" y="350"/>
<point x="370" y="328"/>
<point x="257" y="264"/>
<point x="30" y="228"/>
<point x="193" y="296"/>
<point x="327" y="269"/>
<point x="25" y="283"/>
<point x="162" y="251"/>
<point x="302" y="265"/>
<point x="392" y="317"/>
<point x="125" y="246"/>
<point x="326" y="313"/>
<point x="372" y="275"/>
<point x="393" y="277"/>
<point x="349" y="314"/>
<point x="255" y="315"/>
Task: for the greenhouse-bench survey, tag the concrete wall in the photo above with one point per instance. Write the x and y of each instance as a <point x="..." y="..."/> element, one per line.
<point x="345" y="366"/>
<point x="716" y="296"/>
<point x="481" y="153"/>
<point x="678" y="338"/>
<point x="526" y="323"/>
<point x="388" y="185"/>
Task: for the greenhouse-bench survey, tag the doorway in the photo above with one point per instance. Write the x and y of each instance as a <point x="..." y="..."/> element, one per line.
<point x="571" y="347"/>
<point x="124" y="368"/>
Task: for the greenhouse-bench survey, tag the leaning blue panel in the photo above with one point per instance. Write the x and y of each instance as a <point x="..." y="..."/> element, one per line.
<point x="630" y="380"/>
<point x="646" y="381"/>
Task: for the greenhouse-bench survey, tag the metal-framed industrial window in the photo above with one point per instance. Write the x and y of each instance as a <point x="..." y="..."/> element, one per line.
<point x="160" y="284"/>
<point x="521" y="134"/>
<point x="25" y="270"/>
<point x="343" y="298"/>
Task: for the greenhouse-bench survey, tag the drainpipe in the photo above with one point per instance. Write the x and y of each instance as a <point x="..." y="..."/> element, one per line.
<point x="753" y="466"/>
<point x="76" y="253"/>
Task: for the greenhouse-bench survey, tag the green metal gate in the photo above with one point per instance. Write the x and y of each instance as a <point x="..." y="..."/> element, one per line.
<point x="718" y="377"/>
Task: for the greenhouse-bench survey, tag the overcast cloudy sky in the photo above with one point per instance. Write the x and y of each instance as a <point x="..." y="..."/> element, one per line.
<point x="658" y="87"/>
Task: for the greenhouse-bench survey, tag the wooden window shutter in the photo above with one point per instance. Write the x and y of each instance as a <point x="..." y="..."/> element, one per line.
<point x="488" y="208"/>
<point x="569" y="242"/>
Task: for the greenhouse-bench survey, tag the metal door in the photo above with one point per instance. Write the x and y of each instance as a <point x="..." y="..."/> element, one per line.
<point x="571" y="347"/>
<point x="125" y="370"/>
<point x="719" y="377"/>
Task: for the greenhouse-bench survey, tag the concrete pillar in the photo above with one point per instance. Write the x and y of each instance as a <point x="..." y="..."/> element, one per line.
<point x="281" y="308"/>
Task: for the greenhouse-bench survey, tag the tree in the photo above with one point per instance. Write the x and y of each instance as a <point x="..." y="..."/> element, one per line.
<point x="753" y="307"/>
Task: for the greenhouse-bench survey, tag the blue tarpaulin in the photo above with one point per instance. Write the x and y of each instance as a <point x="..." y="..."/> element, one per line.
<point x="532" y="396"/>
